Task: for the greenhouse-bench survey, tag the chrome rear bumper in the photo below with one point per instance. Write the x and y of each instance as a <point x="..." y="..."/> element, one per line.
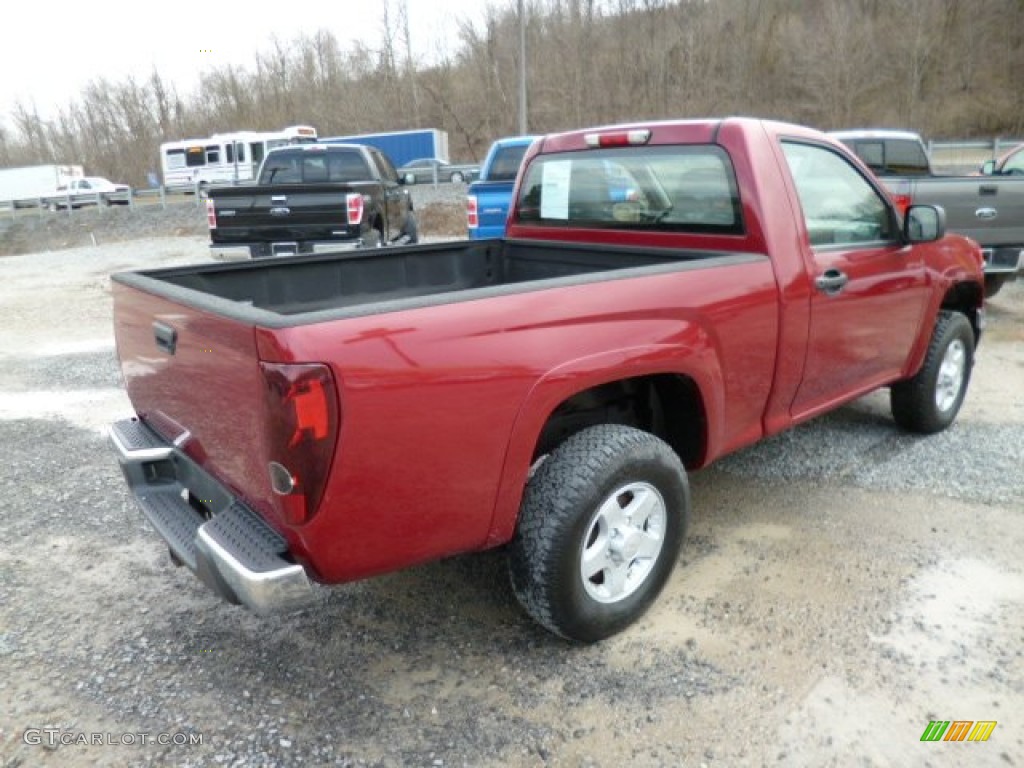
<point x="232" y="550"/>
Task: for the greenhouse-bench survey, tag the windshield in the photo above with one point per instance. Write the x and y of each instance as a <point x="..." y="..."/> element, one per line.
<point x="688" y="188"/>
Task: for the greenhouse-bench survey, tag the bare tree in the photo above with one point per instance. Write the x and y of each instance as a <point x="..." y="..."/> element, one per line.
<point x="944" y="67"/>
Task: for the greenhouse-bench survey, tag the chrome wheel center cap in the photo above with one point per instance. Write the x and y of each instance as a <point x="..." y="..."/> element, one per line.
<point x="623" y="548"/>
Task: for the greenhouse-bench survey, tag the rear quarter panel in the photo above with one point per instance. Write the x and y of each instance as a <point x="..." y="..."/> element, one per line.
<point x="425" y="466"/>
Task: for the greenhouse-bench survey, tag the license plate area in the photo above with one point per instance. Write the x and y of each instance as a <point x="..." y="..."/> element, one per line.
<point x="284" y="249"/>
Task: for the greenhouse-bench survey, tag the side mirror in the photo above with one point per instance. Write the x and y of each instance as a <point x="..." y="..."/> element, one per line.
<point x="924" y="223"/>
<point x="988" y="168"/>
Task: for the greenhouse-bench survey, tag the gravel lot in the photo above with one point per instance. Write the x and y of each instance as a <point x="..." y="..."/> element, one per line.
<point x="842" y="585"/>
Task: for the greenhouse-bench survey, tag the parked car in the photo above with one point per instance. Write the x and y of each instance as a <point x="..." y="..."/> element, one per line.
<point x="1009" y="164"/>
<point x="430" y="169"/>
<point x="90" y="190"/>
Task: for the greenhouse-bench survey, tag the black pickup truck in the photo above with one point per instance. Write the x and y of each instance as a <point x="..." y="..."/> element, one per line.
<point x="311" y="198"/>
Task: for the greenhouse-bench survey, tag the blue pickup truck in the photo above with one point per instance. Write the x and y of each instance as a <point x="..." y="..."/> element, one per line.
<point x="488" y="198"/>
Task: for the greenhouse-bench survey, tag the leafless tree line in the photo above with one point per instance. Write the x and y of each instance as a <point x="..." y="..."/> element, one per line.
<point x="947" y="68"/>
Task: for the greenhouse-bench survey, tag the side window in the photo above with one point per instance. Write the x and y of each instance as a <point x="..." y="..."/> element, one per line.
<point x="195" y="157"/>
<point x="175" y="158"/>
<point x="1015" y="164"/>
<point x="212" y="154"/>
<point x="840" y="207"/>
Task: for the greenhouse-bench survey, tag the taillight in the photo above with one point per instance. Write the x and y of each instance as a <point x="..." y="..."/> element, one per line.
<point x="900" y="194"/>
<point x="902" y="202"/>
<point x="354" y="208"/>
<point x="301" y="428"/>
<point x="472" y="213"/>
<point x="211" y="214"/>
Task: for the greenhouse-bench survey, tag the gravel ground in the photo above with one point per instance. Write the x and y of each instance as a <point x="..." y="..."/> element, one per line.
<point x="842" y="585"/>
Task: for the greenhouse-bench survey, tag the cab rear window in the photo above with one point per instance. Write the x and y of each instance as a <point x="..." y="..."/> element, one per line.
<point x="688" y="188"/>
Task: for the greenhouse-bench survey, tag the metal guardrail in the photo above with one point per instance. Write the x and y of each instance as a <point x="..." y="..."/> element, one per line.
<point x="69" y="203"/>
<point x="967" y="156"/>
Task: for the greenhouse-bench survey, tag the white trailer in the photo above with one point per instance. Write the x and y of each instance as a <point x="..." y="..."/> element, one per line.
<point x="24" y="186"/>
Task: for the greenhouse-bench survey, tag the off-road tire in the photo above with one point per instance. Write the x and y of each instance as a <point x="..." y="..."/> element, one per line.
<point x="930" y="400"/>
<point x="580" y="478"/>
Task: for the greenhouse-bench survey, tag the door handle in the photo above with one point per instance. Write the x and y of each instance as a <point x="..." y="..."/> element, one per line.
<point x="831" y="282"/>
<point x="166" y="337"/>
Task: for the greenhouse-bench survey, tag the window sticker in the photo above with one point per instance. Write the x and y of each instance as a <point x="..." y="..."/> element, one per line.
<point x="554" y="197"/>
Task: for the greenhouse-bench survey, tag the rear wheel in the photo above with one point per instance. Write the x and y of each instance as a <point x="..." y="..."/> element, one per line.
<point x="457" y="178"/>
<point x="930" y="401"/>
<point x="599" y="531"/>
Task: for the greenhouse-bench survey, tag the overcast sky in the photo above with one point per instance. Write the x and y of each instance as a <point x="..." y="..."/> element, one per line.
<point x="49" y="49"/>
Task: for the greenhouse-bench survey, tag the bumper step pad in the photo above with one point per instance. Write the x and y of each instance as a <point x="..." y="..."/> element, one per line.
<point x="234" y="551"/>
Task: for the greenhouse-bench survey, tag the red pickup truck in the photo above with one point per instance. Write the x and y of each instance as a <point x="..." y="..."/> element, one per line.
<point x="666" y="293"/>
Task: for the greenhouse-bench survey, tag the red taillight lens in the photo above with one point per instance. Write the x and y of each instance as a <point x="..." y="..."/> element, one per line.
<point x="354" y="208"/>
<point x="302" y="428"/>
<point x="472" y="212"/>
<point x="211" y="214"/>
<point x="902" y="202"/>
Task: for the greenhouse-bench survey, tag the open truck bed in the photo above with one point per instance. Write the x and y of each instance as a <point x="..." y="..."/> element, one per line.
<point x="282" y="292"/>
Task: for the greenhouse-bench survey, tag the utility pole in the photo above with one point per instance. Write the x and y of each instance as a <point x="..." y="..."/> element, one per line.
<point x="523" y="127"/>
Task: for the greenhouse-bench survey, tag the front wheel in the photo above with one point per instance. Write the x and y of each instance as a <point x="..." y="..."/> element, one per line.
<point x="599" y="531"/>
<point x="930" y="401"/>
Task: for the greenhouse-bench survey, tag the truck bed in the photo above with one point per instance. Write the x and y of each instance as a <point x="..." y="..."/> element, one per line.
<point x="284" y="292"/>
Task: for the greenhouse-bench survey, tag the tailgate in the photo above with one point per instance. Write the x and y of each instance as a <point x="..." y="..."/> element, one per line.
<point x="194" y="377"/>
<point x="288" y="212"/>
<point x="492" y="201"/>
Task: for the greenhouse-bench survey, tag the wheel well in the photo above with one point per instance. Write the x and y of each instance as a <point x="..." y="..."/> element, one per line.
<point x="965" y="298"/>
<point x="666" y="405"/>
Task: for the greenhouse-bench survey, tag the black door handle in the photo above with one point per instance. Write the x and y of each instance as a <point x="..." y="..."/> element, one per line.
<point x="832" y="281"/>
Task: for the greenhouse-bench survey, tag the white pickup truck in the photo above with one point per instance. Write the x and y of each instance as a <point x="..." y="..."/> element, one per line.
<point x="89" y="190"/>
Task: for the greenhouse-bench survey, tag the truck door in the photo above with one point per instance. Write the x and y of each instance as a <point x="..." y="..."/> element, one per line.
<point x="868" y="289"/>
